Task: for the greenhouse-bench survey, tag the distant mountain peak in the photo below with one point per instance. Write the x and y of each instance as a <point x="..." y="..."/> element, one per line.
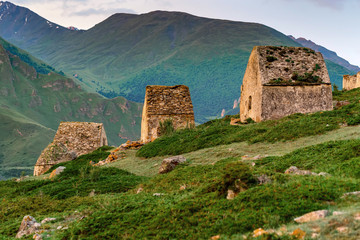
<point x="328" y="54"/>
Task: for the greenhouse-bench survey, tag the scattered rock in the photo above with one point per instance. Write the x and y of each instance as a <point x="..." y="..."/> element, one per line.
<point x="169" y="164"/>
<point x="264" y="179"/>
<point x="337" y="213"/>
<point x="92" y="193"/>
<point x="21" y="178"/>
<point x="131" y="145"/>
<point x="315" y="235"/>
<point x="245" y="157"/>
<point x="316" y="229"/>
<point x="46" y="220"/>
<point x="295" y="171"/>
<point x="59" y="227"/>
<point x="235" y="121"/>
<point x="158" y="194"/>
<point x="256" y="157"/>
<point x="253" y="164"/>
<point x="312" y="216"/>
<point x="298" y="233"/>
<point x="259" y="232"/>
<point x="215" y="237"/>
<point x="140" y="189"/>
<point x="351" y="194"/>
<point x="357" y="216"/>
<point x="342" y="229"/>
<point x="37" y="236"/>
<point x="230" y="195"/>
<point x="113" y="156"/>
<point x="339" y="104"/>
<point x="28" y="226"/>
<point x="57" y="171"/>
<point x="64" y="228"/>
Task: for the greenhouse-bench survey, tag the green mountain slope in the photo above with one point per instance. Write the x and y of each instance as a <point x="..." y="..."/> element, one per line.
<point x="126" y="52"/>
<point x="33" y="104"/>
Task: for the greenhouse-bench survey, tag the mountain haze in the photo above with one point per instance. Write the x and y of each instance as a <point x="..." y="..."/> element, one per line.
<point x="33" y="104"/>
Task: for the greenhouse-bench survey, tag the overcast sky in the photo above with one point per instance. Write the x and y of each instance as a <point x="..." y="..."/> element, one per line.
<point x="331" y="23"/>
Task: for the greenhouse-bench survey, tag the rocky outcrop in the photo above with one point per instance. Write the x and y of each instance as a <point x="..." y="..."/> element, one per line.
<point x="165" y="103"/>
<point x="295" y="171"/>
<point x="312" y="216"/>
<point x="28" y="226"/>
<point x="169" y="164"/>
<point x="71" y="140"/>
<point x="57" y="171"/>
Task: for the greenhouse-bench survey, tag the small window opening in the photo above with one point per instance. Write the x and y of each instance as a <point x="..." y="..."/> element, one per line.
<point x="249" y="102"/>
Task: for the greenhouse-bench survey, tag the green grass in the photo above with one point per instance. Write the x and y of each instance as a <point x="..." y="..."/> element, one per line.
<point x="338" y="158"/>
<point x="199" y="211"/>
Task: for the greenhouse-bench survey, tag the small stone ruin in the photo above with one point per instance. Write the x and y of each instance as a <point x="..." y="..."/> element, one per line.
<point x="351" y="81"/>
<point x="72" y="139"/>
<point x="281" y="81"/>
<point x="165" y="103"/>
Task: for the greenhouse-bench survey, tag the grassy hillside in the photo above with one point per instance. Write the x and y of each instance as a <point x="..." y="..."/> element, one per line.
<point x="32" y="105"/>
<point x="190" y="202"/>
<point x="218" y="132"/>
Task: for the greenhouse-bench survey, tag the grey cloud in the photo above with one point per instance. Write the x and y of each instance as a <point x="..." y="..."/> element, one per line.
<point x="334" y="4"/>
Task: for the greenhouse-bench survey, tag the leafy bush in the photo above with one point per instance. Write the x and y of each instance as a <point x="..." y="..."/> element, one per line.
<point x="166" y="127"/>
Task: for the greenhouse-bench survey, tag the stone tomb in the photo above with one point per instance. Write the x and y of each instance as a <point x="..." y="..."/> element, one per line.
<point x="72" y="139"/>
<point x="351" y="81"/>
<point x="280" y="81"/>
<point x="165" y="103"/>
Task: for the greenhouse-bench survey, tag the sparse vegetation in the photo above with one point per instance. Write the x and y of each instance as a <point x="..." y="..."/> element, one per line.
<point x="271" y="58"/>
<point x="166" y="127"/>
<point x="308" y="77"/>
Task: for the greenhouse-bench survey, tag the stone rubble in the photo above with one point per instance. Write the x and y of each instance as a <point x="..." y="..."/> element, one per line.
<point x="169" y="164"/>
<point x="28" y="226"/>
<point x="295" y="171"/>
<point x="312" y="216"/>
<point x="57" y="171"/>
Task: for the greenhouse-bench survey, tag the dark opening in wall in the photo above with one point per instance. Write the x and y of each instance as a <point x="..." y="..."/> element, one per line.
<point x="249" y="102"/>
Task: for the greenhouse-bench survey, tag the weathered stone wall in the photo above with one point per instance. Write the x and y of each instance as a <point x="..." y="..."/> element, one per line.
<point x="251" y="90"/>
<point x="351" y="81"/>
<point x="284" y="80"/>
<point x="72" y="139"/>
<point x="287" y="100"/>
<point x="163" y="103"/>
